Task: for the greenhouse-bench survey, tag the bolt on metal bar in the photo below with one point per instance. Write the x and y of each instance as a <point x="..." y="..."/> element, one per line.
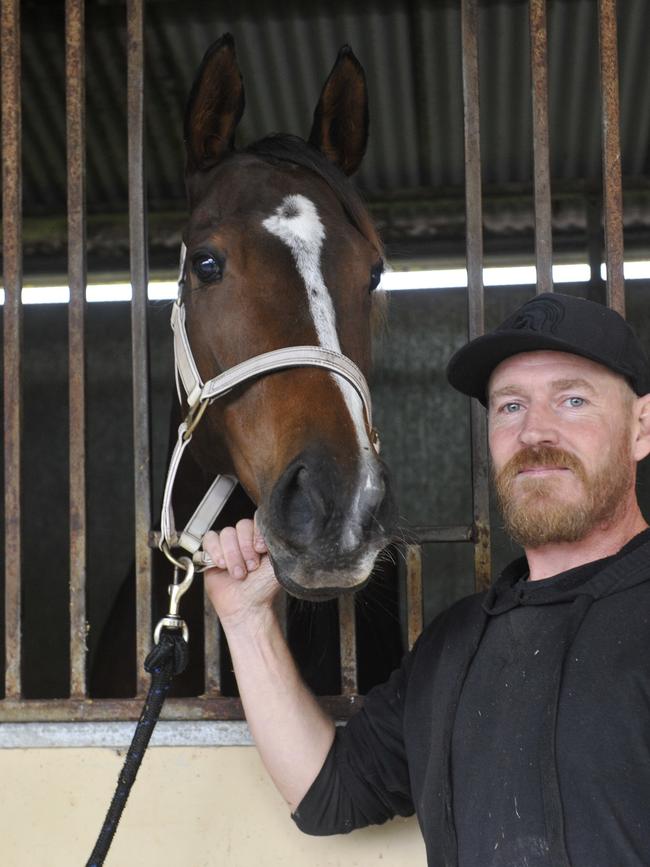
<point x="475" y="292"/>
<point x="12" y="327"/>
<point x="139" y="342"/>
<point x="612" y="185"/>
<point x="348" y="644"/>
<point x="542" y="170"/>
<point x="76" y="165"/>
<point x="414" y="594"/>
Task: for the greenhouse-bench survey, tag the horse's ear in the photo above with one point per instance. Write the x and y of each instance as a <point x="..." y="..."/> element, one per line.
<point x="340" y="128"/>
<point x="214" y="107"/>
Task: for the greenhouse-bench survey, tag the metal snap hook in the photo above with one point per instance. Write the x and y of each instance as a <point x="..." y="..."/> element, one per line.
<point x="176" y="591"/>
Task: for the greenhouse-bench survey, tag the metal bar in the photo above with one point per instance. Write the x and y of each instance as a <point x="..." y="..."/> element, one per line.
<point x="95" y="710"/>
<point x="475" y="294"/>
<point x="12" y="327"/>
<point x="420" y="535"/>
<point x="139" y="344"/>
<point x="415" y="535"/>
<point x="542" y="169"/>
<point x="414" y="609"/>
<point x="348" y="645"/>
<point x="212" y="649"/>
<point x="76" y="167"/>
<point x="612" y="189"/>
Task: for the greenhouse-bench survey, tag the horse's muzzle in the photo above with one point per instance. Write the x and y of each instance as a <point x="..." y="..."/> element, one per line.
<point x="325" y="525"/>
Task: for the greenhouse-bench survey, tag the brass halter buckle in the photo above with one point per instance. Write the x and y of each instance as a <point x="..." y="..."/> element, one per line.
<point x="194" y="416"/>
<point x="176" y="591"/>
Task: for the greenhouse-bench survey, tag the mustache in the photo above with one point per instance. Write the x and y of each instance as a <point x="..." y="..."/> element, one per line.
<point x="531" y="457"/>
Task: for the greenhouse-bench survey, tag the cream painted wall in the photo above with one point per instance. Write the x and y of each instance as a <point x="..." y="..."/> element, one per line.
<point x="199" y="807"/>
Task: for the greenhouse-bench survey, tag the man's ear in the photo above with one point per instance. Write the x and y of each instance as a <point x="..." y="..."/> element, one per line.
<point x="641" y="444"/>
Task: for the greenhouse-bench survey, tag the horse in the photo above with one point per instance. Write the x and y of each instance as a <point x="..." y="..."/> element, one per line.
<point x="282" y="253"/>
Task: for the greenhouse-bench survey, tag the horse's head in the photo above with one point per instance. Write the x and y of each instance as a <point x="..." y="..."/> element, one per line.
<point x="280" y="253"/>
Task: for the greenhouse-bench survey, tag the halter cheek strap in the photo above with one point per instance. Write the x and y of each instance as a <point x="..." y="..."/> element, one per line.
<point x="199" y="395"/>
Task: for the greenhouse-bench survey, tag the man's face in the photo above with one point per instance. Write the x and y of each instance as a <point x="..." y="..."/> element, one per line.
<point x="560" y="431"/>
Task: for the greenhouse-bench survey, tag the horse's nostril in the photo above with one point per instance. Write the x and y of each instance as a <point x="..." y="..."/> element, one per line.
<point x="313" y="509"/>
<point x="299" y="506"/>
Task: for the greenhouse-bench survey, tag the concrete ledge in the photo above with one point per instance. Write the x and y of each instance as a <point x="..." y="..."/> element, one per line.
<point x="117" y="735"/>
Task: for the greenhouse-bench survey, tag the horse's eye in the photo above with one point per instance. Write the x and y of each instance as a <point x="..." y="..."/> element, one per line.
<point x="207" y="267"/>
<point x="375" y="276"/>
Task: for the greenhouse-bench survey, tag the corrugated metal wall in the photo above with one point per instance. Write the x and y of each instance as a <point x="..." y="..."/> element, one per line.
<point x="411" y="52"/>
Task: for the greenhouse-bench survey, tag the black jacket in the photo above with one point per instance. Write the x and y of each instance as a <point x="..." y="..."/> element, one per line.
<point x="592" y="731"/>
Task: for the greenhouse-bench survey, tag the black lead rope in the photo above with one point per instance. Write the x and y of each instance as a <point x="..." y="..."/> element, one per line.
<point x="168" y="658"/>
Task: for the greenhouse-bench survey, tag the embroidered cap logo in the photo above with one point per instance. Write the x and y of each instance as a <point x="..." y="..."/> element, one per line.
<point x="540" y="314"/>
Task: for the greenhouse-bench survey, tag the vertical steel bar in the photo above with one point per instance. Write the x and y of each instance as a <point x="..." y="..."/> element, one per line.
<point x="475" y="295"/>
<point x="542" y="170"/>
<point x="212" y="649"/>
<point x="414" y="610"/>
<point x="12" y="327"/>
<point x="348" y="645"/>
<point x="139" y="345"/>
<point x="76" y="159"/>
<point x="612" y="186"/>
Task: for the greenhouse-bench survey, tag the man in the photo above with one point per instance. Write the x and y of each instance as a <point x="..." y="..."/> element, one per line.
<point x="518" y="728"/>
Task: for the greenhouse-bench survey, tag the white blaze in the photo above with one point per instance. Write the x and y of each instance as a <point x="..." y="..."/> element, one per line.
<point x="297" y="224"/>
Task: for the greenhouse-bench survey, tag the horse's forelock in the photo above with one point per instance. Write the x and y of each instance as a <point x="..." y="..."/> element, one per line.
<point x="288" y="148"/>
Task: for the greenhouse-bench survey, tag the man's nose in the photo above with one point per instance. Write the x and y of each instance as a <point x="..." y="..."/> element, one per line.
<point x="539" y="427"/>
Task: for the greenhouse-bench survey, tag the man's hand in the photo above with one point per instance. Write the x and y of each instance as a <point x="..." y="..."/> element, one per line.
<point x="242" y="584"/>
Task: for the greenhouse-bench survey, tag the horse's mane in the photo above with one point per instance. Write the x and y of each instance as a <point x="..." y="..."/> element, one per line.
<point x="283" y="147"/>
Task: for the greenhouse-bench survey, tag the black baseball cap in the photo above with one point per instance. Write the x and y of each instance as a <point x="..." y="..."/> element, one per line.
<point x="558" y="322"/>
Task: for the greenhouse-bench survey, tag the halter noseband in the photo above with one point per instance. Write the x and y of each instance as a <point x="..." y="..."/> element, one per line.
<point x="199" y="395"/>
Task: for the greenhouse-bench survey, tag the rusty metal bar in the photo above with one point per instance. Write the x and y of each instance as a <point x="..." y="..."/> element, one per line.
<point x="12" y="327"/>
<point x="139" y="343"/>
<point x="348" y="645"/>
<point x="542" y="169"/>
<point x="414" y="596"/>
<point x="76" y="160"/>
<point x="212" y="649"/>
<point x="612" y="185"/>
<point x="96" y="710"/>
<point x="475" y="294"/>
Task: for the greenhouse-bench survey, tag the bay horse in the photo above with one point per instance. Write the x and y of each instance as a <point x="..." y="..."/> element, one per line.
<point x="282" y="253"/>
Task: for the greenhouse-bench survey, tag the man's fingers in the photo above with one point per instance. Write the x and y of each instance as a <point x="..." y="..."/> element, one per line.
<point x="212" y="546"/>
<point x="232" y="552"/>
<point x="236" y="549"/>
<point x="245" y="538"/>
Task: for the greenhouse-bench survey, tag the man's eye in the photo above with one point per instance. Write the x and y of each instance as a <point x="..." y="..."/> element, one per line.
<point x="207" y="267"/>
<point x="511" y="407"/>
<point x="575" y="401"/>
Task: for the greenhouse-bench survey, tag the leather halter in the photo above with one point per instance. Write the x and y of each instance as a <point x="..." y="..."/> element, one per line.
<point x="199" y="395"/>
